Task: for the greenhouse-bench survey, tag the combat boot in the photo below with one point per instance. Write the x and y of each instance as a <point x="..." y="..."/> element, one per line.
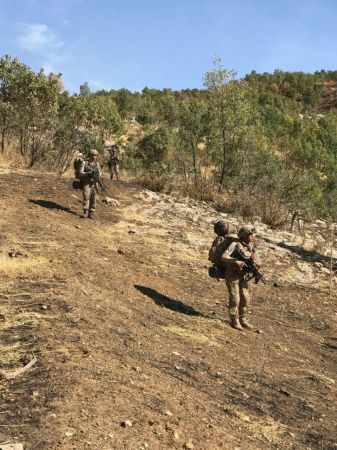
<point x="235" y="323"/>
<point x="85" y="214"/>
<point x="244" y="322"/>
<point x="91" y="215"/>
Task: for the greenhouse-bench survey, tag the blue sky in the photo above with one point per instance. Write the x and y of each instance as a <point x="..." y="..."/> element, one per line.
<point x="167" y="43"/>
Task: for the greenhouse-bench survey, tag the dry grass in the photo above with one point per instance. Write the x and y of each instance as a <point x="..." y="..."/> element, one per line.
<point x="14" y="265"/>
<point x="266" y="428"/>
<point x="192" y="336"/>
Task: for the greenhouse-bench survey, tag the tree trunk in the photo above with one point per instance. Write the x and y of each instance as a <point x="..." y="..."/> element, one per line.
<point x="3" y="137"/>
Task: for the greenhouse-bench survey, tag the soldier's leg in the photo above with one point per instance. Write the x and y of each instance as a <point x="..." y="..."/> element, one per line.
<point x="92" y="203"/>
<point x="232" y="283"/>
<point x="117" y="171"/>
<point x="244" y="303"/>
<point x="86" y="199"/>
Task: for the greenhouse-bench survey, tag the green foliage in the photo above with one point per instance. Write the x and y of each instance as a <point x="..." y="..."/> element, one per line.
<point x="155" y="146"/>
<point x="264" y="145"/>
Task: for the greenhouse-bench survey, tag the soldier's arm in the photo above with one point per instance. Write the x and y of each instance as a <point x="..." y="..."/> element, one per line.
<point x="228" y="258"/>
<point x="82" y="173"/>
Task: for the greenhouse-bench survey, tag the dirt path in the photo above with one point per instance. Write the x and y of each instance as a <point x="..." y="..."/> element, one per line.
<point x="133" y="345"/>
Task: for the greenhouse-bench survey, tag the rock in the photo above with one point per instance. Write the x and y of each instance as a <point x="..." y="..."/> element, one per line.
<point x="218" y="374"/>
<point x="126" y="423"/>
<point x="15" y="254"/>
<point x="325" y="270"/>
<point x="110" y="202"/>
<point x="78" y="226"/>
<point x="189" y="445"/>
<point x="318" y="265"/>
<point x="176" y="353"/>
<point x="168" y="413"/>
<point x="69" y="433"/>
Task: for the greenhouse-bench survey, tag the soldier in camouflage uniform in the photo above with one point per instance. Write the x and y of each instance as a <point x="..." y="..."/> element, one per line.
<point x="237" y="278"/>
<point x="113" y="162"/>
<point x="89" y="185"/>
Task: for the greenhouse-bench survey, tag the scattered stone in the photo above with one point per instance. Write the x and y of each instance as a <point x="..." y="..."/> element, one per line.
<point x="176" y="436"/>
<point x="126" y="423"/>
<point x="110" y="202"/>
<point x="176" y="353"/>
<point x="189" y="445"/>
<point x="15" y="254"/>
<point x="259" y="331"/>
<point x="218" y="374"/>
<point x="325" y="270"/>
<point x="168" y="413"/>
<point x="78" y="226"/>
<point x="69" y="433"/>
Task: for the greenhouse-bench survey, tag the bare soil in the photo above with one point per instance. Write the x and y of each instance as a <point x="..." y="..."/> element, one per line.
<point x="132" y="340"/>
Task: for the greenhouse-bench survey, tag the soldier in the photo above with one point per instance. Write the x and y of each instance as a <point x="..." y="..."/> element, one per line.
<point x="237" y="277"/>
<point x="113" y="163"/>
<point x="89" y="185"/>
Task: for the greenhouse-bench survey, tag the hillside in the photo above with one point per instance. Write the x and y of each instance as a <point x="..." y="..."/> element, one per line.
<point x="131" y="337"/>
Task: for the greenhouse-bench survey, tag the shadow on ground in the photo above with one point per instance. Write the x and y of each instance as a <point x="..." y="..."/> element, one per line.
<point x="52" y="205"/>
<point x="167" y="302"/>
<point x="307" y="255"/>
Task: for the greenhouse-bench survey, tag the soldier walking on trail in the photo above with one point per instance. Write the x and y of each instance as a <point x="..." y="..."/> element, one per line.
<point x="89" y="185"/>
<point x="226" y="253"/>
<point x="113" y="163"/>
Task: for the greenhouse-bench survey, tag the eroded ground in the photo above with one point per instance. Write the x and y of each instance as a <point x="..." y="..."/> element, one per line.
<point x="128" y="330"/>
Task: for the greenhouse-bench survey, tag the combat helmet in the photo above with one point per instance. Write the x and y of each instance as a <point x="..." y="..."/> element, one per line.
<point x="93" y="152"/>
<point x="245" y="230"/>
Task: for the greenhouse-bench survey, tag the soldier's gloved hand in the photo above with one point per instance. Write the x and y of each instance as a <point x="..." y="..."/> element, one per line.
<point x="240" y="264"/>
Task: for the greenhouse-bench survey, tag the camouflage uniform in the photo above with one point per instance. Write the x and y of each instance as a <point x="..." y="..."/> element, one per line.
<point x="113" y="162"/>
<point x="237" y="281"/>
<point x="89" y="186"/>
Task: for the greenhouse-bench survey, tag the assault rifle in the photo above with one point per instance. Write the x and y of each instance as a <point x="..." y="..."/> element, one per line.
<point x="251" y="267"/>
<point x="94" y="174"/>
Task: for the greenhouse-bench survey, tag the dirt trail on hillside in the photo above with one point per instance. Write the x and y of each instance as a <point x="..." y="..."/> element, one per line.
<point x="131" y="336"/>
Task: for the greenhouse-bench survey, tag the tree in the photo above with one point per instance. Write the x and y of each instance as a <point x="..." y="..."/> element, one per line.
<point x="231" y="116"/>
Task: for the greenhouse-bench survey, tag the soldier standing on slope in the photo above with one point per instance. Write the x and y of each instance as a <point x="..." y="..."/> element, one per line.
<point x="237" y="277"/>
<point x="89" y="185"/>
<point x="113" y="162"/>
